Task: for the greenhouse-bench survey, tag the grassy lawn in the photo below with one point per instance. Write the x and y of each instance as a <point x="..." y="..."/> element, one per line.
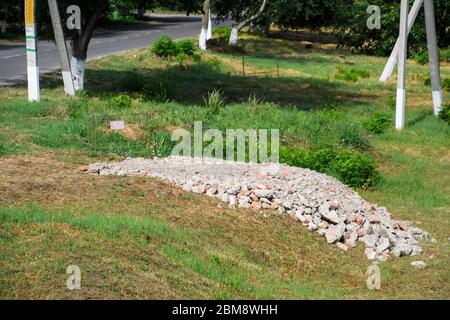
<point x="142" y="238"/>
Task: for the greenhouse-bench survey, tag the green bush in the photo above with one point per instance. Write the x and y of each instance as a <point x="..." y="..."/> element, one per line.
<point x="351" y="75"/>
<point x="445" y="113"/>
<point x="444" y="55"/>
<point x="222" y="34"/>
<point x="352" y="168"/>
<point x="186" y="47"/>
<point x="122" y="101"/>
<point x="165" y="47"/>
<point x="446" y="84"/>
<point x="378" y="123"/>
<point x="421" y="58"/>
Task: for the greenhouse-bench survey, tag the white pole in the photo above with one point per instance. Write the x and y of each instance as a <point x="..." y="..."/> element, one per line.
<point x="32" y="61"/>
<point x="401" y="76"/>
<point x="392" y="61"/>
<point x="69" y="87"/>
<point x="433" y="55"/>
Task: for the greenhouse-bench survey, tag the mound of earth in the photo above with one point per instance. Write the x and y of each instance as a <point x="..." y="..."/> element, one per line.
<point x="319" y="202"/>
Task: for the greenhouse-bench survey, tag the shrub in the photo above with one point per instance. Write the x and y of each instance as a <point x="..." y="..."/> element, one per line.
<point x="444" y="55"/>
<point x="352" y="168"/>
<point x="223" y="33"/>
<point x="421" y="58"/>
<point x="165" y="47"/>
<point x="446" y="84"/>
<point x="378" y="123"/>
<point x="445" y="113"/>
<point x="186" y="47"/>
<point x="351" y="75"/>
<point x="122" y="101"/>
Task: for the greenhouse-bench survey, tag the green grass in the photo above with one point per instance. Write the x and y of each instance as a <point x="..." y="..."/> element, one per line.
<point x="128" y="233"/>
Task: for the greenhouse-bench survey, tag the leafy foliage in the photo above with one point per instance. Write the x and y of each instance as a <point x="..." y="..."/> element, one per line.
<point x="378" y="123"/>
<point x="445" y="113"/>
<point x="352" y="168"/>
<point x="122" y="101"/>
<point x="165" y="47"/>
<point x="353" y="33"/>
<point x="352" y="75"/>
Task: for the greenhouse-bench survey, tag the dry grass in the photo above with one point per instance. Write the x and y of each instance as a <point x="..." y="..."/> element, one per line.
<point x="275" y="256"/>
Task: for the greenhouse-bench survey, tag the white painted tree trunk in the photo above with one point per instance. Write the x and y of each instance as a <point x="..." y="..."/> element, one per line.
<point x="3" y="26"/>
<point x="209" y="32"/>
<point x="78" y="66"/>
<point x="203" y="36"/>
<point x="234" y="37"/>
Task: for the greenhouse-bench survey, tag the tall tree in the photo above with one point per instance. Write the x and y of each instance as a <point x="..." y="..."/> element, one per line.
<point x="242" y="12"/>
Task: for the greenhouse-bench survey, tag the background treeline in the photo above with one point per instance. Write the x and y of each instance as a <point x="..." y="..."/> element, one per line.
<point x="346" y="18"/>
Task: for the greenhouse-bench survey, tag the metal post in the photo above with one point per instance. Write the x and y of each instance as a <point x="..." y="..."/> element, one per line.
<point x="392" y="61"/>
<point x="32" y="59"/>
<point x="433" y="55"/>
<point x="401" y="76"/>
<point x="69" y="87"/>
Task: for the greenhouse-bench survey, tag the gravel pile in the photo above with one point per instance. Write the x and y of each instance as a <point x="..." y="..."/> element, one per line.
<point x="321" y="203"/>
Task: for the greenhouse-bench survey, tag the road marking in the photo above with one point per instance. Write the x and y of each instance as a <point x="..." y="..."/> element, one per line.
<point x="112" y="40"/>
<point x="48" y="50"/>
<point x="13" y="56"/>
<point x="125" y="38"/>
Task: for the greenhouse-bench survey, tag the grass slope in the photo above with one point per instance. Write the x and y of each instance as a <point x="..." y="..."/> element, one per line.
<point x="141" y="238"/>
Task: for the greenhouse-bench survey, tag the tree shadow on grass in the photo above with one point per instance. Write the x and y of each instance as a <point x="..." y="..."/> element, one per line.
<point x="189" y="85"/>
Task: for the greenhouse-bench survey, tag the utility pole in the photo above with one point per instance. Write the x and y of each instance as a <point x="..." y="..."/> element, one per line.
<point x="32" y="61"/>
<point x="62" y="49"/>
<point x="433" y="56"/>
<point x="401" y="76"/>
<point x="390" y="65"/>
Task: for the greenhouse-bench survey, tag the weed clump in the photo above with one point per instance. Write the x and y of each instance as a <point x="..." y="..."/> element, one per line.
<point x="378" y="123"/>
<point x="121" y="101"/>
<point x="445" y="114"/>
<point x="352" y="75"/>
<point x="165" y="47"/>
<point x="352" y="168"/>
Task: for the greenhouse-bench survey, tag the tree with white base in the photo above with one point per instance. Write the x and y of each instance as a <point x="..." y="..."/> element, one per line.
<point x="205" y="25"/>
<point x="234" y="37"/>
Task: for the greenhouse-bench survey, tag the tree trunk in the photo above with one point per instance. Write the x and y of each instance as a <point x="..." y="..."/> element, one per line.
<point x="205" y="20"/>
<point x="209" y="32"/>
<point x="80" y="43"/>
<point x="3" y="26"/>
<point x="234" y="37"/>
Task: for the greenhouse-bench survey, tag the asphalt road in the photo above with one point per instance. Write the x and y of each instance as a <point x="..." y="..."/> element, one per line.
<point x="13" y="56"/>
